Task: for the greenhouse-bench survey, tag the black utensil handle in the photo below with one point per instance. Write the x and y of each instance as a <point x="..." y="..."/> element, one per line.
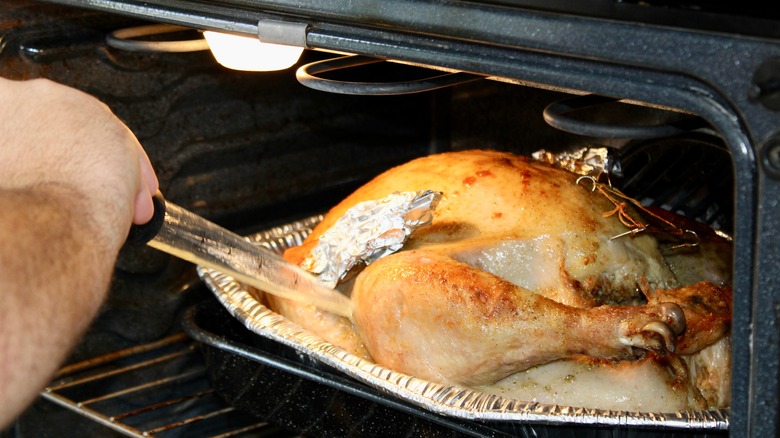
<point x="141" y="234"/>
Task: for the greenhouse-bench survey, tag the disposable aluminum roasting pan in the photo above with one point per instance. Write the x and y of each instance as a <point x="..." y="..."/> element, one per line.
<point x="267" y="332"/>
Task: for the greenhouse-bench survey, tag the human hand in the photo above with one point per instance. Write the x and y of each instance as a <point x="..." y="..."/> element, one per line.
<point x="72" y="180"/>
<point x="55" y="135"/>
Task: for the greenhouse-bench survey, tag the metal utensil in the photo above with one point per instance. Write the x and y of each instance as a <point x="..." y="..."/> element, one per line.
<point x="184" y="234"/>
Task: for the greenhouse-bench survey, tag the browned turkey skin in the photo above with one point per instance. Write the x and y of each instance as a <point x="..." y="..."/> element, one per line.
<point x="432" y="316"/>
<point x="520" y="267"/>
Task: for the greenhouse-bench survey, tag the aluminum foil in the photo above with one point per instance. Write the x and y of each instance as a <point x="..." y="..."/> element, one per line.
<point x="596" y="162"/>
<point x="458" y="402"/>
<point x="369" y="231"/>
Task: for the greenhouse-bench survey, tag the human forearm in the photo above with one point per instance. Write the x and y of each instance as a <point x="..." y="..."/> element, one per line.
<point x="54" y="275"/>
<point x="72" y="180"/>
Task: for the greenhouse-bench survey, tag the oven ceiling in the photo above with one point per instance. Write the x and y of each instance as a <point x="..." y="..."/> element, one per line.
<point x="569" y="52"/>
<point x="745" y="18"/>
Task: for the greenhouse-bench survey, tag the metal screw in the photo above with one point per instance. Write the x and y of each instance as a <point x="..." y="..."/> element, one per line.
<point x="770" y="157"/>
<point x="766" y="84"/>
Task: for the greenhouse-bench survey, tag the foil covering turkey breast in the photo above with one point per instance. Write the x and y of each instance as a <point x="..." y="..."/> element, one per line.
<point x="521" y="287"/>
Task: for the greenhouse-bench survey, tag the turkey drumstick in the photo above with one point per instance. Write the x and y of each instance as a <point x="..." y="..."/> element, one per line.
<point x="443" y="320"/>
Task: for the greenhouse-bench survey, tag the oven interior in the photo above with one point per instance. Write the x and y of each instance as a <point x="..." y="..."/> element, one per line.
<point x="251" y="151"/>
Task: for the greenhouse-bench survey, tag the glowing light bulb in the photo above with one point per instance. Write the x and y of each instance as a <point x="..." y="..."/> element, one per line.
<point x="250" y="54"/>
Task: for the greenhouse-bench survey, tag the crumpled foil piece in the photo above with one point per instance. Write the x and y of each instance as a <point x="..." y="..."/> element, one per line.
<point x="596" y="162"/>
<point x="369" y="231"/>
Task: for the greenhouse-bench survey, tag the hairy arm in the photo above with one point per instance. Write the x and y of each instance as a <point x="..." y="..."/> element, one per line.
<point x="54" y="277"/>
<point x="73" y="179"/>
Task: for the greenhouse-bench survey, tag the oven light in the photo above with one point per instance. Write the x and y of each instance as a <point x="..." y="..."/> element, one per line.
<point x="250" y="54"/>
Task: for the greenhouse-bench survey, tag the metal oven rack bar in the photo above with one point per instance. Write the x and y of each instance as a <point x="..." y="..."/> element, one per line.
<point x="159" y="389"/>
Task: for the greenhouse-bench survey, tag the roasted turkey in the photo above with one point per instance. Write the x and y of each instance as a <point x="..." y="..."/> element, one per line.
<point x="527" y="277"/>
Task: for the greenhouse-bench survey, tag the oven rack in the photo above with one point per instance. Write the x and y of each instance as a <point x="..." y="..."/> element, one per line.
<point x="158" y="389"/>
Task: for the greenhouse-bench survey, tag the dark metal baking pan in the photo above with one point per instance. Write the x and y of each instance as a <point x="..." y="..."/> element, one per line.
<point x="281" y="385"/>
